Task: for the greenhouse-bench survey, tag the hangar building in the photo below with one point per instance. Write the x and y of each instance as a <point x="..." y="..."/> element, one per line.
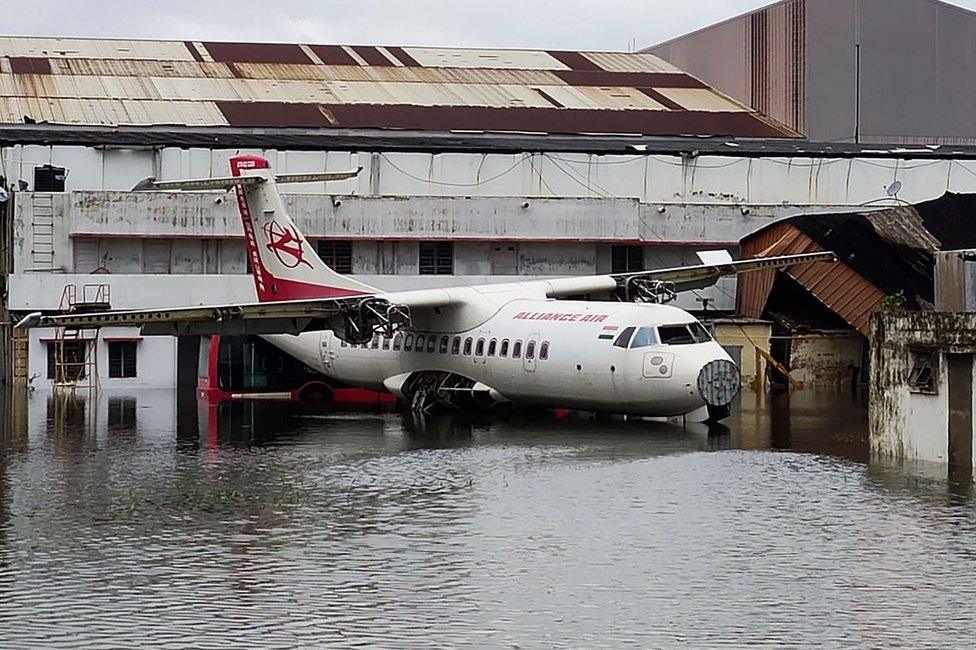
<point x="882" y="71"/>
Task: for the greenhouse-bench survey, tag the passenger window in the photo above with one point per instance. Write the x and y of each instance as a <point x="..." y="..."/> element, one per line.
<point x="530" y="350"/>
<point x="431" y="343"/>
<point x="444" y="342"/>
<point x="675" y="335"/>
<point x="408" y="342"/>
<point x="503" y="352"/>
<point x="544" y="351"/>
<point x="491" y="347"/>
<point x="420" y="343"/>
<point x="644" y="337"/>
<point x="456" y="345"/>
<point x="467" y="345"/>
<point x="479" y="348"/>
<point x="397" y="340"/>
<point x="624" y="337"/>
<point x="517" y="350"/>
<point x="375" y="343"/>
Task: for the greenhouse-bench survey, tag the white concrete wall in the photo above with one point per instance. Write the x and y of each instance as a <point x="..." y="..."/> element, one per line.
<point x="155" y="360"/>
<point x="653" y="179"/>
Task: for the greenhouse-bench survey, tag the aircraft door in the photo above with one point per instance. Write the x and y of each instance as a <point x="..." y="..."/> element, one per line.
<point x="530" y="352"/>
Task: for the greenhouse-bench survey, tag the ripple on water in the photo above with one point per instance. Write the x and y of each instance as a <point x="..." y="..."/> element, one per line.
<point x="357" y="530"/>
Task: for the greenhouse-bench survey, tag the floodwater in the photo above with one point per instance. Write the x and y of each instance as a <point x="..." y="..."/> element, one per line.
<point x="270" y="526"/>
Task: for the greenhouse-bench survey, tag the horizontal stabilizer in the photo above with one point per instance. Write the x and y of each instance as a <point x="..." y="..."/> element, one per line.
<point x="227" y="182"/>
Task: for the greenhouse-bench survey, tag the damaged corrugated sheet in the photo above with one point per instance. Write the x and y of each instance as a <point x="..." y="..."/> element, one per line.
<point x="882" y="253"/>
<point x="105" y="82"/>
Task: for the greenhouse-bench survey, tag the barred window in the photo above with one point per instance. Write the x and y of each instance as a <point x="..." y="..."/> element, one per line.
<point x="336" y="254"/>
<point x="626" y="259"/>
<point x="436" y="258"/>
<point x="121" y="359"/>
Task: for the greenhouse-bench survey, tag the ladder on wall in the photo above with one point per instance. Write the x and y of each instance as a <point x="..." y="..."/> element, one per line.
<point x="42" y="232"/>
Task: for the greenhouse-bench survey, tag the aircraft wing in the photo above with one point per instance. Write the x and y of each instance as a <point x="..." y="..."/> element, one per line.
<point x="288" y="317"/>
<point x="357" y="314"/>
<point x="681" y="278"/>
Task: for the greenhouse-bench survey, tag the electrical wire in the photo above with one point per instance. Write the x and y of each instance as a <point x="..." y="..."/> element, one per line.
<point x="448" y="183"/>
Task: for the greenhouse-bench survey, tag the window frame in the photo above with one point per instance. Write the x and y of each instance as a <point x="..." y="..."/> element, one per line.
<point x="328" y="251"/>
<point x="530" y="349"/>
<point x="479" y="347"/>
<point x="435" y="258"/>
<point x="517" y="349"/>
<point x="544" y="351"/>
<point x="124" y="371"/>
<point x="492" y="347"/>
<point x="466" y="349"/>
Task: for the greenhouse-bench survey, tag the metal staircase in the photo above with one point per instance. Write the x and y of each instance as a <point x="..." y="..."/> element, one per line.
<point x="42" y="232"/>
<point x="76" y="349"/>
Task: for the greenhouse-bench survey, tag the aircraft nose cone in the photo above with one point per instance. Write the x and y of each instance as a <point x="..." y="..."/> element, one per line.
<point x="719" y="382"/>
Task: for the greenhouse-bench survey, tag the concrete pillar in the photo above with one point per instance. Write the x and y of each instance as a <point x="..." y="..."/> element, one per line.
<point x="187" y="361"/>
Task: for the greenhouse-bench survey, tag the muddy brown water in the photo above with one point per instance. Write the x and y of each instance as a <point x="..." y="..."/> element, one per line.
<point x="269" y="526"/>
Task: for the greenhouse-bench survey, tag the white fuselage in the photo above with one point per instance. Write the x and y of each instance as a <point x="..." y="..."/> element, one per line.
<point x="551" y="353"/>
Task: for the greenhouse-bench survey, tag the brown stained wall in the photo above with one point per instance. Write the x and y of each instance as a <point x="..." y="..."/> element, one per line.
<point x="826" y="360"/>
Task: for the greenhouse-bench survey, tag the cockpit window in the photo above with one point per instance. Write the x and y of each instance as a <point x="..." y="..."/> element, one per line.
<point x="645" y="336"/>
<point x="624" y="337"/>
<point x="700" y="333"/>
<point x="683" y="334"/>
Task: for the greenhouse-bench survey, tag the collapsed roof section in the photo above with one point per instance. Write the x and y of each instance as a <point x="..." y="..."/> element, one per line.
<point x="105" y="82"/>
<point x="882" y="253"/>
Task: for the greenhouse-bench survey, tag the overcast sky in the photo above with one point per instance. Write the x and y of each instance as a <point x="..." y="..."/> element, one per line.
<point x="568" y="24"/>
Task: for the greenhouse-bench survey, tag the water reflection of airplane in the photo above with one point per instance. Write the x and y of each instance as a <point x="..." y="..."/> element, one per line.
<point x="260" y="423"/>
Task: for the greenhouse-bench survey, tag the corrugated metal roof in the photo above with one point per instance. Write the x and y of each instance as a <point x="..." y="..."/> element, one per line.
<point x="109" y="82"/>
<point x="881" y="253"/>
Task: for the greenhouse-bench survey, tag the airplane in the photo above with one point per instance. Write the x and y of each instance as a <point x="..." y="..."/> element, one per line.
<point x="517" y="343"/>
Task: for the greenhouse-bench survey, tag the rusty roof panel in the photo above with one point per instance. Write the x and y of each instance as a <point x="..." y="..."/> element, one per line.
<point x="30" y="65"/>
<point x="140" y="68"/>
<point x="629" y="62"/>
<point x="575" y="60"/>
<point x="372" y="55"/>
<point x="701" y="99"/>
<point x="96" y="48"/>
<point x="446" y="57"/>
<point x="96" y="81"/>
<point x="256" y="52"/>
<point x="473" y="118"/>
<point x="401" y="55"/>
<point x="273" y="114"/>
<point x="635" y="79"/>
<point x="616" y="98"/>
<point x="333" y="55"/>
